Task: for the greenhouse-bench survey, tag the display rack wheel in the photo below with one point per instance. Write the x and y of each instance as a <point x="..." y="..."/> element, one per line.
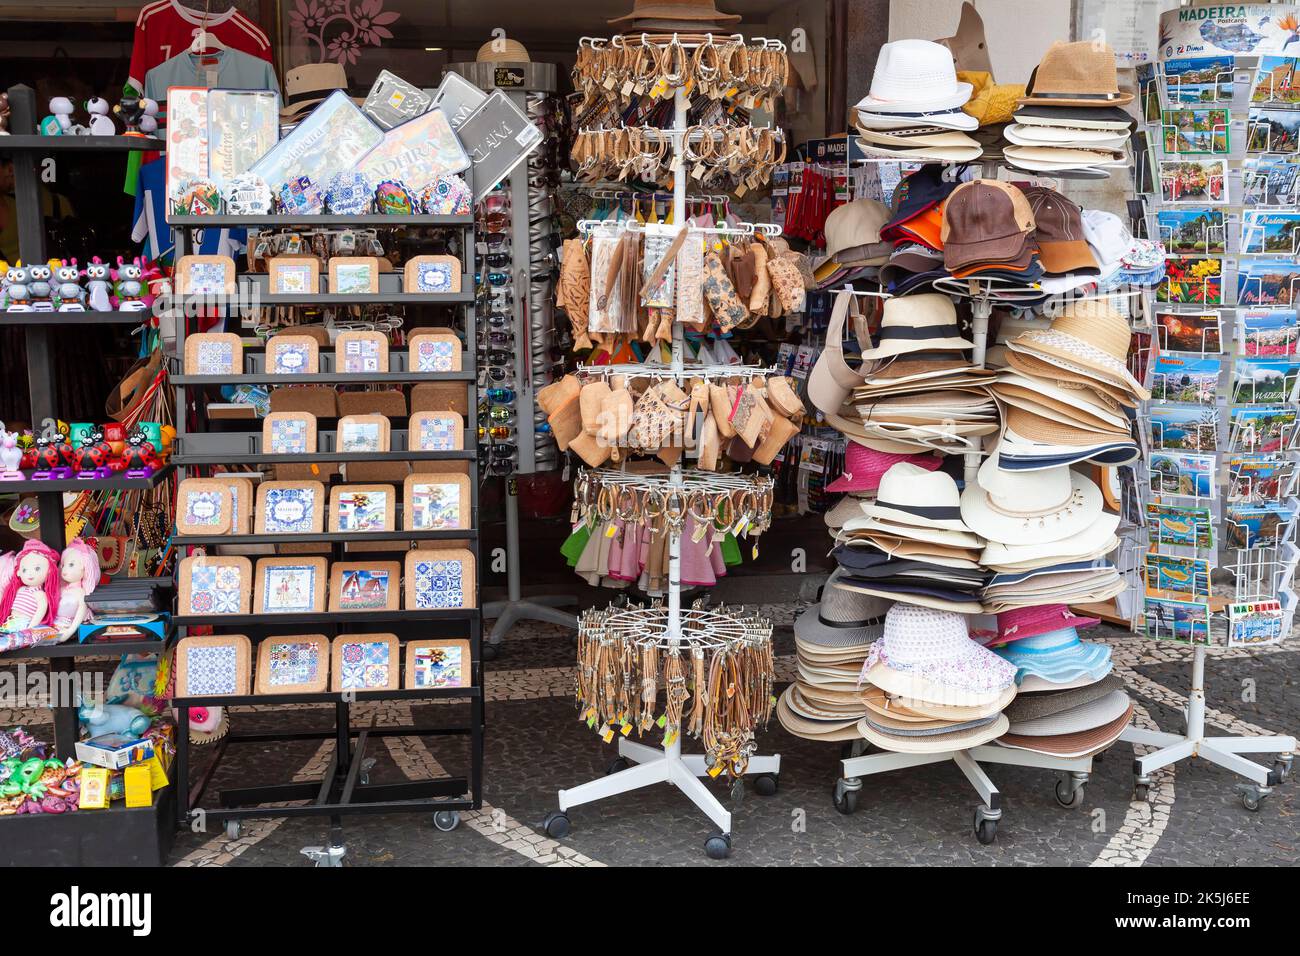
<point x="718" y="846"/>
<point x="1252" y="798"/>
<point x="845" y="800"/>
<point x="617" y="765"/>
<point x="1069" y="792"/>
<point x="1282" y="768"/>
<point x="232" y="829"/>
<point x="490" y="652"/>
<point x="367" y="765"/>
<point x="986" y="830"/>
<point x="446" y="820"/>
<point x="1141" y="789"/>
<point x="556" y="825"/>
<point x="765" y="784"/>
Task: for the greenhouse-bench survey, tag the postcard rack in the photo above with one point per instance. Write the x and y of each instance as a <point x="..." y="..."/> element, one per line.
<point x="345" y="787"/>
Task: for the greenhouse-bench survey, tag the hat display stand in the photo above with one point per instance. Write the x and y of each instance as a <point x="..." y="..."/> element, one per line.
<point x="670" y="628"/>
<point x="1261" y="576"/>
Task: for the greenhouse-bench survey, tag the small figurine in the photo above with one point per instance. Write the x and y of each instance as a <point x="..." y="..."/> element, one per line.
<point x="39" y="287"/>
<point x="53" y="455"/>
<point x="101" y="123"/>
<point x="11" y="456"/>
<point x="69" y="296"/>
<point x="132" y="112"/>
<point x="59" y="122"/>
<point x="140" y="457"/>
<point x="149" y="121"/>
<point x="127" y="287"/>
<point x="99" y="718"/>
<point x="91" y="456"/>
<point x="97" y="285"/>
<point x="18" y="297"/>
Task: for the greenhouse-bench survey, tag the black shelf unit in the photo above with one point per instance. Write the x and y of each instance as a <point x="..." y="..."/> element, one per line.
<point x="120" y="836"/>
<point x="237" y="442"/>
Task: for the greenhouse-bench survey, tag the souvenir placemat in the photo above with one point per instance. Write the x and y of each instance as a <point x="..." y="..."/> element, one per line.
<point x="290" y="507"/>
<point x="334" y="138"/>
<point x="296" y="664"/>
<point x="392" y="100"/>
<point x="436" y="431"/>
<point x="292" y="355"/>
<point x="243" y="126"/>
<point x="365" y="586"/>
<point x="289" y="433"/>
<point x="205" y="276"/>
<point x="438" y="664"/>
<point x="290" y="585"/>
<point x="432" y="275"/>
<point x="210" y="584"/>
<point x="436" y="502"/>
<point x="458" y="98"/>
<point x="498" y="136"/>
<point x="356" y="353"/>
<point x="203" y="506"/>
<point x="187" y="139"/>
<point x="214" y="353"/>
<point x="434" y="352"/>
<point x="366" y="662"/>
<point x="440" y="579"/>
<point x="354" y="275"/>
<point x="362" y="507"/>
<point x="216" y="666"/>
<point x="358" y="434"/>
<point x="417" y="152"/>
<point x="293" y="275"/>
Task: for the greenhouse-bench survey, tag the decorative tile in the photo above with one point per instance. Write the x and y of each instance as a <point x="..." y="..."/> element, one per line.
<point x="434" y="356"/>
<point x="211" y="670"/>
<point x="435" y="506"/>
<point x="360" y="356"/>
<point x="291" y="359"/>
<point x="289" y="510"/>
<point x="289" y="589"/>
<point x="438" y="666"/>
<point x="439" y="584"/>
<point x="215" y="358"/>
<point x="437" y="434"/>
<point x="203" y="509"/>
<point x="364" y="590"/>
<point x="362" y="510"/>
<point x="215" y="590"/>
<point x="359" y="437"/>
<point x="434" y="277"/>
<point x="289" y="436"/>
<point x="294" y="663"/>
<point x="365" y="665"/>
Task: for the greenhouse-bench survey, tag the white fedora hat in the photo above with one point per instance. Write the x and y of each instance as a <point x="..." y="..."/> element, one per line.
<point x="914" y="76"/>
<point x="911" y="495"/>
<point x="945" y="119"/>
<point x="917" y="323"/>
<point x="841" y="618"/>
<point x="1030" y="506"/>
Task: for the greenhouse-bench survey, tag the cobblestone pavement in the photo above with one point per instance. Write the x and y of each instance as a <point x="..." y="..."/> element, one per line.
<point x="923" y="816"/>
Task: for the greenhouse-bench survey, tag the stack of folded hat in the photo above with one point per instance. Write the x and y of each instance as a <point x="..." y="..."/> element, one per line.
<point x="929" y="688"/>
<point x="913" y="111"/>
<point x="1066" y="391"/>
<point x="853" y="241"/>
<point x="1069" y="704"/>
<point x="915" y="227"/>
<point x="914" y="520"/>
<point x="925" y="394"/>
<point x="831" y="643"/>
<point x="1037" y="519"/>
<point x="1077" y="582"/>
<point x="863" y="469"/>
<point x="1070" y="116"/>
<point x="988" y="234"/>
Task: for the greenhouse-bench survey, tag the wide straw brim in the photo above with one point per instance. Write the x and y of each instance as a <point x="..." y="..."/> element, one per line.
<point x="1033" y="706"/>
<point x="846" y="508"/>
<point x="1035" y="366"/>
<point x="958" y="97"/>
<point x="971" y="606"/>
<point x="1119" y="99"/>
<point x="1083" y="744"/>
<point x="873" y="520"/>
<point x="1027" y="134"/>
<point x="833" y="730"/>
<point x="987" y="519"/>
<point x="949" y="119"/>
<point x="937" y="743"/>
<point x="1088" y="715"/>
<point x="809" y="628"/>
<point x="962" y="559"/>
<point x="1077" y="547"/>
<point x="940" y="154"/>
<point x="1081" y="357"/>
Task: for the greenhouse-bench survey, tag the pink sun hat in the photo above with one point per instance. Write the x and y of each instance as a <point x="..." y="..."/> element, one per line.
<point x="863" y="467"/>
<point x="1022" y="622"/>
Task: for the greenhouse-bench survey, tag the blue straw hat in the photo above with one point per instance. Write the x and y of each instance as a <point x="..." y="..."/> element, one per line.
<point x="1058" y="657"/>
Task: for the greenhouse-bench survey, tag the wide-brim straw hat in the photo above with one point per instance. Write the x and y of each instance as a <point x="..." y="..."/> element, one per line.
<point x="810" y="729"/>
<point x="918" y="153"/>
<point x="1035" y="620"/>
<point x="911" y="549"/>
<point x="954" y="119"/>
<point x="309" y="85"/>
<point x="878" y="700"/>
<point x="1035" y="366"/>
<point x="936" y="743"/>
<point x="695" y="11"/>
<point x="1092" y="542"/>
<point x="946" y="536"/>
<point x="865" y="467"/>
<point x="1082" y="744"/>
<point x="850" y="506"/>
<point x="886" y="724"/>
<point x="842" y="618"/>
<point x="1091" y="336"/>
<point x="1076" y="74"/>
<point x="503" y="50"/>
<point x="1094" y="713"/>
<point x="1034" y="706"/>
<point x="1025" y="134"/>
<point x="1057" y="656"/>
<point x="911" y="494"/>
<point x="1031" y="506"/>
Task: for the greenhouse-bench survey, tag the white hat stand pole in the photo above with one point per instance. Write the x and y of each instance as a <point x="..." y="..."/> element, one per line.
<point x="667" y="764"/>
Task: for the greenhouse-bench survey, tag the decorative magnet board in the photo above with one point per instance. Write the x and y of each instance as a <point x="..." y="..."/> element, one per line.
<point x="203" y="506"/>
<point x="438" y="664"/>
<point x="290" y="507"/>
<point x="356" y="353"/>
<point x="292" y="355"/>
<point x="436" y="502"/>
<point x="362" y="507"/>
<point x="289" y="433"/>
<point x="436" y="431"/>
<point x="365" y="586"/>
<point x="290" y="585"/>
<point x="434" y="352"/>
<point x="440" y="579"/>
<point x="205" y="276"/>
<point x="214" y="353"/>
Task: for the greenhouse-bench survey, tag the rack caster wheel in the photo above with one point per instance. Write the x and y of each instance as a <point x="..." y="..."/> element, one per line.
<point x="1252" y="798"/>
<point x="986" y="830"/>
<point x="845" y="800"/>
<point x="1282" y="768"/>
<point x="233" y="828"/>
<point x="1141" y="790"/>
<point x="765" y="784"/>
<point x="1067" y="798"/>
<point x="617" y="765"/>
<point x="556" y="825"/>
<point x="490" y="652"/>
<point x="446" y="820"/>
<point x="718" y="846"/>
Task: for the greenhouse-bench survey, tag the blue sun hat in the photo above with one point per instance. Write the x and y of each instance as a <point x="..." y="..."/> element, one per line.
<point x="1058" y="657"/>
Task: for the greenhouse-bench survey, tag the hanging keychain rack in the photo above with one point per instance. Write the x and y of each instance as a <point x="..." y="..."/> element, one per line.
<point x="742" y="230"/>
<point x="667" y="372"/>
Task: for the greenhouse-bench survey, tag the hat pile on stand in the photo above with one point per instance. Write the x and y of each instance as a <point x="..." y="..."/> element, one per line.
<point x="1070" y="116"/>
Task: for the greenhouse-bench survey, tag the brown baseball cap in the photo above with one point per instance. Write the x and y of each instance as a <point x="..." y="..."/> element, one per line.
<point x="1058" y="229"/>
<point x="984" y="220"/>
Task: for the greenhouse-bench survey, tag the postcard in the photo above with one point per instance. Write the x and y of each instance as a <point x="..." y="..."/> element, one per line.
<point x="1261" y="428"/>
<point x="1273" y="131"/>
<point x="1276" y="82"/>
<point x="1191" y="131"/>
<point x="1148" y="92"/>
<point x="1254" y="623"/>
<point x="1270" y="233"/>
<point x="1178" y="378"/>
<point x="1267" y="281"/>
<point x="1269" y="181"/>
<point x="1190" y="331"/>
<point x="1268" y="332"/>
<point x="1192" y="280"/>
<point x="1199" y="79"/>
<point x="1185" y="427"/>
<point x="1169" y="574"/>
<point x="1180" y="526"/>
<point x="243" y="125"/>
<point x="1194" y="181"/>
<point x="1258" y="476"/>
<point x="332" y="139"/>
<point x="1182" y="473"/>
<point x="1184" y="621"/>
<point x="1247" y="527"/>
<point x="1263" y="381"/>
<point x="1193" y="230"/>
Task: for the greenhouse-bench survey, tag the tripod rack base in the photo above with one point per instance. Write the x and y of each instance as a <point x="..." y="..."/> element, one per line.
<point x="542" y="608"/>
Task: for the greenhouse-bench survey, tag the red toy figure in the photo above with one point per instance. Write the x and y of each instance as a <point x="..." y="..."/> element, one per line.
<point x="140" y="459"/>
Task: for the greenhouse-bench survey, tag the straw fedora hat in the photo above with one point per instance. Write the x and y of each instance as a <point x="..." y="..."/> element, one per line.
<point x="841" y="618"/>
<point x="917" y="323"/>
<point x="912" y="495"/>
<point x="1030" y="506"/>
<point x="1034" y="706"/>
<point x="914" y="76"/>
<point x="307" y="86"/>
<point x="1076" y="74"/>
<point x="850" y="506"/>
<point x="1081" y="744"/>
<point x="1090" y="336"/>
<point x="503" y="50"/>
<point x="697" y="12"/>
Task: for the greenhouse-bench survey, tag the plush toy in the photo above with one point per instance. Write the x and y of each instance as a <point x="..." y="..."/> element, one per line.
<point x="59" y="122"/>
<point x="100" y="718"/>
<point x="101" y="123"/>
<point x="127" y="285"/>
<point x="11" y="455"/>
<point x="39" y="287"/>
<point x="69" y="296"/>
<point x="208" y="724"/>
<point x="18" y="297"/>
<point x="29" y="595"/>
<point x="97" y="275"/>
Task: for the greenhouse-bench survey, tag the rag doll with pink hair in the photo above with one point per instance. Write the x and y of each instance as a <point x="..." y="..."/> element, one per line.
<point x="43" y="596"/>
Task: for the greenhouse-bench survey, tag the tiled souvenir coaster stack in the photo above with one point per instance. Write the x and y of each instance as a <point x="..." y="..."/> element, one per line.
<point x="1223" y="136"/>
<point x="353" y="575"/>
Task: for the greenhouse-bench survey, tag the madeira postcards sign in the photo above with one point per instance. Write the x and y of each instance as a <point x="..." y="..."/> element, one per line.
<point x="1251" y="29"/>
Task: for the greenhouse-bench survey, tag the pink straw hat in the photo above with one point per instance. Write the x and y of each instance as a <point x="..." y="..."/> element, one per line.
<point x="864" y="467"/>
<point x="1022" y="622"/>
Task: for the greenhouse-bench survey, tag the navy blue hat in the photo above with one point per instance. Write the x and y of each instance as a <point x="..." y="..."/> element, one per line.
<point x="922" y="190"/>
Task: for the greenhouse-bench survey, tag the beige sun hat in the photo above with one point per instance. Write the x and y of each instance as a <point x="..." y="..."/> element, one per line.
<point x="934" y="743"/>
<point x="1091" y="336"/>
<point x="917" y="323"/>
<point x="1022" y="507"/>
<point x="502" y="50"/>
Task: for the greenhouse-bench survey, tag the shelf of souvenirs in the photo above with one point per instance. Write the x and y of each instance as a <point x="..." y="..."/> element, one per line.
<point x="335" y="697"/>
<point x="271" y="220"/>
<point x="80" y="144"/>
<point x="327" y="537"/>
<point x="88" y="317"/>
<point x="119" y="482"/>
<point x="243" y="302"/>
<point x="328" y="378"/>
<point x="297" y="619"/>
<point x="468" y="453"/>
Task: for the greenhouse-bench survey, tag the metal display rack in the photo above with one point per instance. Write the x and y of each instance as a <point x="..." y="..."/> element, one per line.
<point x="345" y="787"/>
